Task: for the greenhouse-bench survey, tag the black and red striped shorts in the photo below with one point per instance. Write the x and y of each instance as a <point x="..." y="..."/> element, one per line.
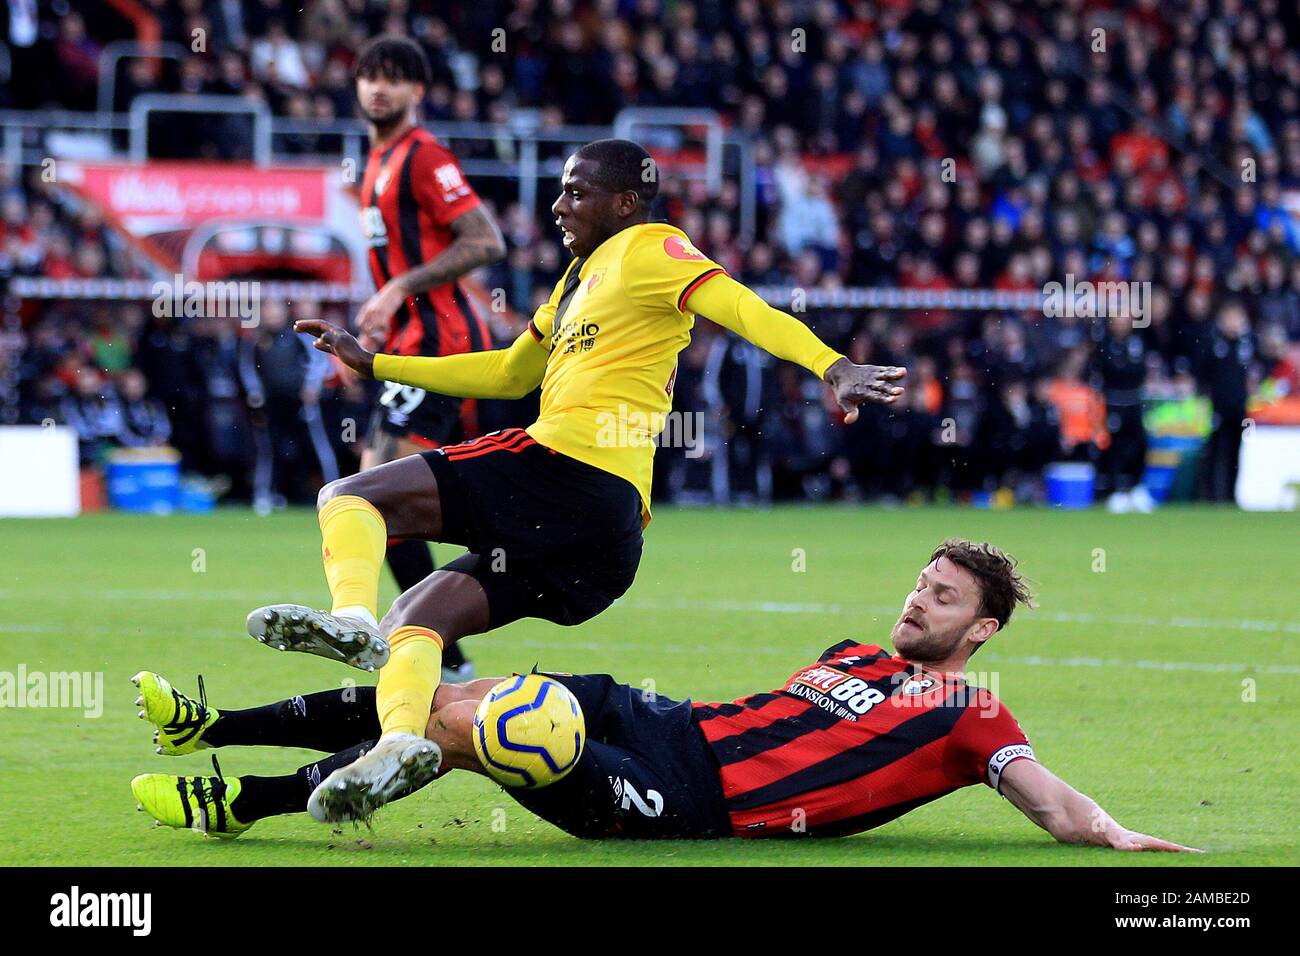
<point x="548" y="536"/>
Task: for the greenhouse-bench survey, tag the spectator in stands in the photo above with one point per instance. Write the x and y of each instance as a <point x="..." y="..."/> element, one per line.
<point x="1057" y="166"/>
<point x="808" y="221"/>
<point x="144" y="420"/>
<point x="77" y="56"/>
<point x="95" y="413"/>
<point x="278" y="59"/>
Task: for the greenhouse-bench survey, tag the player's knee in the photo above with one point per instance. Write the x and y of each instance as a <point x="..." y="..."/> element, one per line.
<point x="329" y="491"/>
<point x="351" y="485"/>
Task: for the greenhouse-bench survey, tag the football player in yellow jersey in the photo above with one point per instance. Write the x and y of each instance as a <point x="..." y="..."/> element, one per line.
<point x="552" y="514"/>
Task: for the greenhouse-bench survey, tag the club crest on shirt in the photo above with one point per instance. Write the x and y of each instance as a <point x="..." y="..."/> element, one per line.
<point x="595" y="279"/>
<point x="680" y="248"/>
<point x="917" y="684"/>
<point x="381" y="183"/>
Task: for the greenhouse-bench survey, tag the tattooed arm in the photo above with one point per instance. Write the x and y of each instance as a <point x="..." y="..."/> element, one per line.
<point x="477" y="242"/>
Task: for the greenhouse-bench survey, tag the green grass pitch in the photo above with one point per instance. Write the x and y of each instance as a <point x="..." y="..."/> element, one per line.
<point x="1161" y="675"/>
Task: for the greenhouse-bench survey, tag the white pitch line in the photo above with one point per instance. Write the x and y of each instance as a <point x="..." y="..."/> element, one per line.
<point x="1054" y="617"/>
<point x="253" y="597"/>
<point x="563" y="644"/>
<point x="160" y="595"/>
<point x="1205" y="666"/>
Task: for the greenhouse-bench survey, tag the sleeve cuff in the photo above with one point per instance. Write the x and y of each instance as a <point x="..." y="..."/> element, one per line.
<point x="386" y="366"/>
<point x="695" y="284"/>
<point x="824" y="361"/>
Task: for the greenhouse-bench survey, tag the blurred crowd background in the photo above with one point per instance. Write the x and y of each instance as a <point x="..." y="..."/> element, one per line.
<point x="919" y="144"/>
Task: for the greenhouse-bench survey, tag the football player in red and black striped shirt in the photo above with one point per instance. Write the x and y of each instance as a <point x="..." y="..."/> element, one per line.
<point x="851" y="741"/>
<point x="424" y="228"/>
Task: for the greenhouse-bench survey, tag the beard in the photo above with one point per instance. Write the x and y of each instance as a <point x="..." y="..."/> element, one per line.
<point x="924" y="645"/>
<point x="385" y="120"/>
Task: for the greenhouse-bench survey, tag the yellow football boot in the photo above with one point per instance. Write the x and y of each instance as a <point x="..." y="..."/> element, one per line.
<point x="179" y="720"/>
<point x="190" y="803"/>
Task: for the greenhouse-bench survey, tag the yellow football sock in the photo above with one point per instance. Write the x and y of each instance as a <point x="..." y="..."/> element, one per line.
<point x="407" y="682"/>
<point x="354" y="540"/>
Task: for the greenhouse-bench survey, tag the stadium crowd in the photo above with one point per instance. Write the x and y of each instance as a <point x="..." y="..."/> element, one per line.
<point x="923" y="144"/>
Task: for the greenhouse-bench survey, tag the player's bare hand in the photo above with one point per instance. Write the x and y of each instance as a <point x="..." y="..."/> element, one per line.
<point x="377" y="312"/>
<point x="855" y="384"/>
<point x="1133" y="841"/>
<point x="339" y="343"/>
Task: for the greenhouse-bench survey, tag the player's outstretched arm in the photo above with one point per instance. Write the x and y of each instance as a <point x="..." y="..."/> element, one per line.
<point x="729" y="303"/>
<point x="476" y="241"/>
<point x="500" y="373"/>
<point x="1070" y="816"/>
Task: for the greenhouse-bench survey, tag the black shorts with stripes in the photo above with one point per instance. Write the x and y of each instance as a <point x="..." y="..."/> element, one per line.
<point x="548" y="536"/>
<point x="646" y="771"/>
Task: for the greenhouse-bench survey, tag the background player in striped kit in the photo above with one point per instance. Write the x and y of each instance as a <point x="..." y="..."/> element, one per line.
<point x="425" y="228"/>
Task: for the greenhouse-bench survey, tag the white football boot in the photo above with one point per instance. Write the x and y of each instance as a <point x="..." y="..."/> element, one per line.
<point x="352" y="638"/>
<point x="400" y="763"/>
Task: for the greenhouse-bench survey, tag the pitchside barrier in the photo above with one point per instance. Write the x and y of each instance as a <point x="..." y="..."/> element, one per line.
<point x="1270" y="460"/>
<point x="39" y="475"/>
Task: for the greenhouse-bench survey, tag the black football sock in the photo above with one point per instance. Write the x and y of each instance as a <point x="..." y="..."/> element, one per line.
<point x="271" y="796"/>
<point x="411" y="561"/>
<point x="330" y="720"/>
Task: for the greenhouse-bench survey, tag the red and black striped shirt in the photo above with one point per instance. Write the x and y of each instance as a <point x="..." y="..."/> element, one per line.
<point x="854" y="741"/>
<point x="412" y="190"/>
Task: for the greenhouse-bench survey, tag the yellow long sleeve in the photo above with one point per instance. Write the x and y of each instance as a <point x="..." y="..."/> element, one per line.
<point x="500" y="373"/>
<point x="734" y="306"/>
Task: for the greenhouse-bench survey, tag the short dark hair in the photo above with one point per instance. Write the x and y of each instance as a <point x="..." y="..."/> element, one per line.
<point x="1001" y="586"/>
<point x="623" y="166"/>
<point x="394" y="57"/>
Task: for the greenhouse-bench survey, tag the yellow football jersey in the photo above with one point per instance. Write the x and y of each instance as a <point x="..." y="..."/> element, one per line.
<point x="614" y="326"/>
